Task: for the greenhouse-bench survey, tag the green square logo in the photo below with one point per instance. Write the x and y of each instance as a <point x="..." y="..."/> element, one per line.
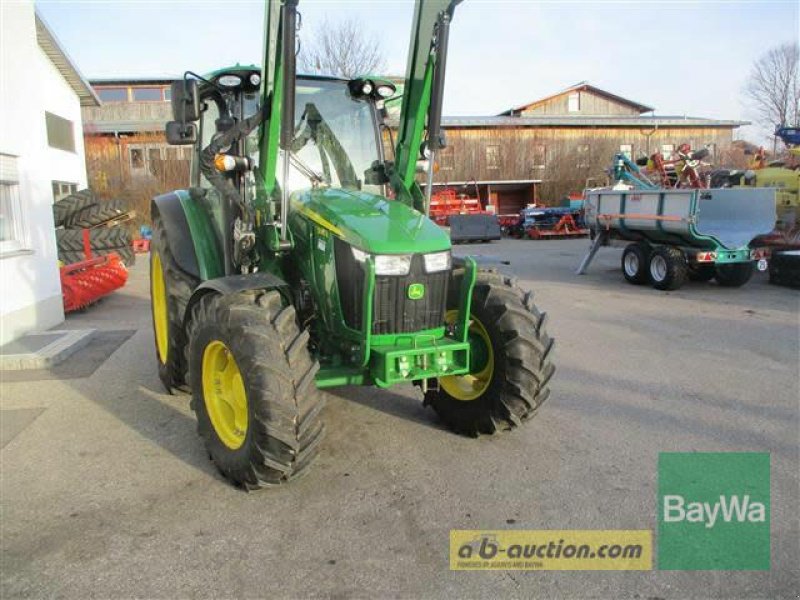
<point x="416" y="291"/>
<point x="713" y="511"/>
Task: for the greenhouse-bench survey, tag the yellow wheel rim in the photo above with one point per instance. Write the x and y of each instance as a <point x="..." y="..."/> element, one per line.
<point x="474" y="384"/>
<point x="224" y="394"/>
<point x="159" y="302"/>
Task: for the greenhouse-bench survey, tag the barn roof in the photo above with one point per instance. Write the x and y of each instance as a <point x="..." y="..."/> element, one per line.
<point x="583" y="86"/>
<point x="644" y="122"/>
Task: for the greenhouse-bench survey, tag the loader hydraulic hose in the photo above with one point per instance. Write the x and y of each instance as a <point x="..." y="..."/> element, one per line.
<point x="229" y="193"/>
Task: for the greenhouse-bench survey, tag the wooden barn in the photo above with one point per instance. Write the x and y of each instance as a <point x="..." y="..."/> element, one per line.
<point x="541" y="151"/>
<point x="537" y="152"/>
<point x="124" y="137"/>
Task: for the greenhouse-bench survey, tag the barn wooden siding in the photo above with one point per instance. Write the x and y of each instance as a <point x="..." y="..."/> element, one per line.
<point x="128" y="112"/>
<point x="589" y="104"/>
<point x="520" y="153"/>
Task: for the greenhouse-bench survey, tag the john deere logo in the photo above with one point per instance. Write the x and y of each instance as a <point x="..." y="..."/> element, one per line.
<point x="416" y="291"/>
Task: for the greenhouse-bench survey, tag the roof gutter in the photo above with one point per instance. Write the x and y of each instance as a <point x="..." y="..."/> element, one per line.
<point x="55" y="52"/>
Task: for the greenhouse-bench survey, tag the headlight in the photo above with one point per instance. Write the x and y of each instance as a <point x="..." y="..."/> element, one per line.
<point x="359" y="255"/>
<point x="255" y="79"/>
<point x="385" y="91"/>
<point x="438" y="261"/>
<point x="229" y="80"/>
<point x="392" y="264"/>
<point x="366" y="89"/>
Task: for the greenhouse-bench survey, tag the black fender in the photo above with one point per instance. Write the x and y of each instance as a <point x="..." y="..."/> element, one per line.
<point x="168" y="207"/>
<point x="231" y="284"/>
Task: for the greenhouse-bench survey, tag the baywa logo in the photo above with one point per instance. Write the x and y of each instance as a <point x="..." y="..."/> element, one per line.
<point x="714" y="511"/>
<point x="729" y="508"/>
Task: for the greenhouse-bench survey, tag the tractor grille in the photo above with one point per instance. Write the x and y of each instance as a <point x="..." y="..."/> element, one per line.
<point x="393" y="310"/>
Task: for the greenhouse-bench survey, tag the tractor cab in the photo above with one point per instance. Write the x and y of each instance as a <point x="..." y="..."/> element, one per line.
<point x="337" y="137"/>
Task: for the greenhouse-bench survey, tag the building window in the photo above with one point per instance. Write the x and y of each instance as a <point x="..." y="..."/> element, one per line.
<point x="60" y="132"/>
<point x="11" y="226"/>
<point x="118" y="94"/>
<point x="445" y="158"/>
<point x="582" y="150"/>
<point x="627" y="150"/>
<point x="147" y="94"/>
<point x="150" y="158"/>
<point x="493" y="157"/>
<point x="137" y="158"/>
<point x="574" y="102"/>
<point x="62" y="189"/>
<point x="667" y="150"/>
<point x="539" y="156"/>
<point x="167" y="94"/>
<point x="154" y="160"/>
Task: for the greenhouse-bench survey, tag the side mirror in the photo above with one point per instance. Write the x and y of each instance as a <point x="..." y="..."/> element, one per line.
<point x="185" y="100"/>
<point x="181" y="134"/>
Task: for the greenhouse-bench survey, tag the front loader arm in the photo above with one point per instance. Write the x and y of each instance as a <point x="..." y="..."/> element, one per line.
<point x="422" y="95"/>
<point x="276" y="132"/>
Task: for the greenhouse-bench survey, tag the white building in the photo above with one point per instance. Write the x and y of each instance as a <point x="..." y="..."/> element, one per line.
<point x="41" y="158"/>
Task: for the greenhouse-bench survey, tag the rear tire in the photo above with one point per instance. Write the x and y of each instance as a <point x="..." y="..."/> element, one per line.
<point x="734" y="275"/>
<point x="170" y="338"/>
<point x="65" y="208"/>
<point x="521" y="357"/>
<point x="276" y="435"/>
<point x="96" y="214"/>
<point x="668" y="268"/>
<point x="635" y="262"/>
<point x="102" y="241"/>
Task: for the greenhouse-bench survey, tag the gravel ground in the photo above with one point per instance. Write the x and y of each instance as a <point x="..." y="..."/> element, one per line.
<point x="108" y="492"/>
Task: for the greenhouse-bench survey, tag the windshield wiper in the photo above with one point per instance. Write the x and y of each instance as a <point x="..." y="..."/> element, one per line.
<point x="305" y="169"/>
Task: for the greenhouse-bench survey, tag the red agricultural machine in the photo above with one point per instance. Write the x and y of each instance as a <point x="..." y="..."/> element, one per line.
<point x="87" y="281"/>
<point x="93" y="246"/>
<point x="447" y="203"/>
<point x="464" y="215"/>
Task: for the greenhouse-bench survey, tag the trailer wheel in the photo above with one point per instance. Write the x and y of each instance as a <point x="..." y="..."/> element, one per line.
<point x="170" y="290"/>
<point x="668" y="268"/>
<point x="253" y="390"/>
<point x="701" y="272"/>
<point x="635" y="262"/>
<point x="511" y="361"/>
<point x="734" y="275"/>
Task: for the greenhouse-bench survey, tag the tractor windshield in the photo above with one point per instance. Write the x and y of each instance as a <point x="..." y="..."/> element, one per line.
<point x="335" y="138"/>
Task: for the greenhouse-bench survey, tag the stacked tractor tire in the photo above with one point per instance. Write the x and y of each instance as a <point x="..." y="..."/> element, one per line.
<point x="87" y="227"/>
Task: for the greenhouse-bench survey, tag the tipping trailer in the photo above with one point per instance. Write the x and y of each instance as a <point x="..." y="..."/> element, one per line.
<point x="674" y="235"/>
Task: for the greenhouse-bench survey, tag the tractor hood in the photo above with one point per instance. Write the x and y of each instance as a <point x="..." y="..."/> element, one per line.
<point x="371" y="223"/>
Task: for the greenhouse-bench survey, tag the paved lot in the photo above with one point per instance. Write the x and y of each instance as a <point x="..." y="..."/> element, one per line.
<point x="107" y="491"/>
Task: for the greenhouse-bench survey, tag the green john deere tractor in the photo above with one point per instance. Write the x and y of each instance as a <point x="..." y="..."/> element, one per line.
<point x="285" y="269"/>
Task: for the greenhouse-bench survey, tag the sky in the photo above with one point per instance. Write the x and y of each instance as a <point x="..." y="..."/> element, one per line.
<point x="683" y="58"/>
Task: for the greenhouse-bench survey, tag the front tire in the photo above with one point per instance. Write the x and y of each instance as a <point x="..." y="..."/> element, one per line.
<point x="253" y="390"/>
<point x="511" y="368"/>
